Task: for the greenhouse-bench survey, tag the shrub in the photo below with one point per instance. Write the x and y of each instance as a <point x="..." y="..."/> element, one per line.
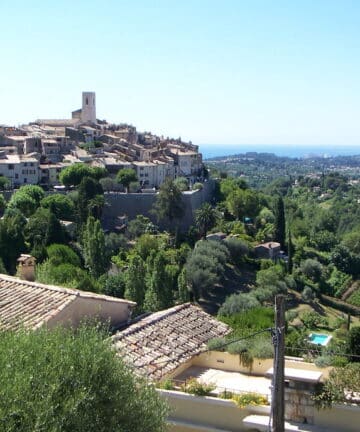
<point x="245" y="399"/>
<point x="165" y="384"/>
<point x="216" y="344"/>
<point x="195" y="387"/>
<point x="308" y="294"/>
<point x="197" y="186"/>
<point x="291" y="315"/>
<point x="238" y="303"/>
<point x="311" y="319"/>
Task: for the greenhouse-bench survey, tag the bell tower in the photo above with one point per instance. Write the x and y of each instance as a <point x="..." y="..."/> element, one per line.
<point x="88" y="111"/>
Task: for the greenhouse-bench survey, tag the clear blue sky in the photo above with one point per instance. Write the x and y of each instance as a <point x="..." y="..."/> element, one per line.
<point x="224" y="71"/>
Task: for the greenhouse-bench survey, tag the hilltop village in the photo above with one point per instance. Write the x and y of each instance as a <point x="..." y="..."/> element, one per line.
<point x="36" y="153"/>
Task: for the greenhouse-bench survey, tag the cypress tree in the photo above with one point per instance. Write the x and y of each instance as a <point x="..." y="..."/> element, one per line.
<point x="134" y="282"/>
<point x="158" y="295"/>
<point x="279" y="221"/>
<point x="94" y="247"/>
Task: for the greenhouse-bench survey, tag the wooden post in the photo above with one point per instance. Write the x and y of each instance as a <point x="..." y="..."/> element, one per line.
<point x="278" y="408"/>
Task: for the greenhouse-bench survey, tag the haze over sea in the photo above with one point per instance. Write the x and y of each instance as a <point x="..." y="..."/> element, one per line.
<point x="215" y="150"/>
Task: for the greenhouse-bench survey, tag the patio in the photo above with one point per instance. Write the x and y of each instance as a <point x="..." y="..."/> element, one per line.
<point x="230" y="381"/>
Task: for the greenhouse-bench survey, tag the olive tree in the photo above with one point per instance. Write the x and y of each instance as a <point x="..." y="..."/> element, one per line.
<point x="60" y="380"/>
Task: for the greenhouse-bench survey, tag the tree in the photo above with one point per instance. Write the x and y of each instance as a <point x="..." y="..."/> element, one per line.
<point x="158" y="295"/>
<point x="2" y="204"/>
<point x="169" y="205"/>
<point x="126" y="176"/>
<point x="43" y="229"/>
<point x="73" y="174"/>
<point x="62" y="254"/>
<point x="4" y="182"/>
<point x="22" y="202"/>
<point x="238" y="249"/>
<point x="205" y="218"/>
<point x="312" y="269"/>
<point x="60" y="380"/>
<point x="182" y="183"/>
<point x="134" y="282"/>
<point x="279" y="213"/>
<point x="243" y="203"/>
<point x="94" y="247"/>
<point x="236" y="303"/>
<point x="141" y="225"/>
<point x="340" y="386"/>
<point x="353" y="341"/>
<point x="61" y="205"/>
<point x="290" y="251"/>
<point x="65" y="274"/>
<point x="88" y="190"/>
<point x="183" y="288"/>
<point x="12" y="242"/>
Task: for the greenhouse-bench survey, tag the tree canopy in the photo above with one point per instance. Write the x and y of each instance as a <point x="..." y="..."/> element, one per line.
<point x="126" y="176"/>
<point x="73" y="174"/>
<point x="169" y="205"/>
<point x="60" y="380"/>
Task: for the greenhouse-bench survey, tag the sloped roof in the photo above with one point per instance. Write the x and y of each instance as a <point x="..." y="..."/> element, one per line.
<point x="159" y="343"/>
<point x="32" y="304"/>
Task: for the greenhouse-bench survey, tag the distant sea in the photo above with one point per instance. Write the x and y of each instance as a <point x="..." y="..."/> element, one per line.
<point x="213" y="150"/>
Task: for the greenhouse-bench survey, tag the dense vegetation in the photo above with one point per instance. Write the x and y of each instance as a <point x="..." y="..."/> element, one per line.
<point x="61" y="381"/>
<point x="315" y="218"/>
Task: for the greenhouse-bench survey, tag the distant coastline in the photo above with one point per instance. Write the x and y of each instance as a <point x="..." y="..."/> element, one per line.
<point x="213" y="150"/>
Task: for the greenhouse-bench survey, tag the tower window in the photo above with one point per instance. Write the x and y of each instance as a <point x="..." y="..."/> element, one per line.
<point x="87" y="101"/>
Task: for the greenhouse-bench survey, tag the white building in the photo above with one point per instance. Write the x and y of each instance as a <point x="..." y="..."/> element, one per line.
<point x="19" y="169"/>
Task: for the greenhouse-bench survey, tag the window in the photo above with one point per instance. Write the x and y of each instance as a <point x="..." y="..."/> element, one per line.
<point x="25" y="180"/>
<point x="87" y="101"/>
<point x="10" y="166"/>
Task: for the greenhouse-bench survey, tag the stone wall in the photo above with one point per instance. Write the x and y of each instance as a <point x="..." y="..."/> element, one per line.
<point x="132" y="204"/>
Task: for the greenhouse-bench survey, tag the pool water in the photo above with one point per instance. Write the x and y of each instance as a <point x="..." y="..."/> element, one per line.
<point x="319" y="339"/>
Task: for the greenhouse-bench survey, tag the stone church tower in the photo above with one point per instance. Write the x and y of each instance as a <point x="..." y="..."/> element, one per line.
<point x="88" y="111"/>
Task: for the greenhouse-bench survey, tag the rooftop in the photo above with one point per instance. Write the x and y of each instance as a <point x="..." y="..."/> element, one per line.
<point x="32" y="304"/>
<point x="161" y="342"/>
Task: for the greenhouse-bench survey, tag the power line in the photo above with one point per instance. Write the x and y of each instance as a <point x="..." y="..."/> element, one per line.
<point x="269" y="329"/>
<point x="317" y="350"/>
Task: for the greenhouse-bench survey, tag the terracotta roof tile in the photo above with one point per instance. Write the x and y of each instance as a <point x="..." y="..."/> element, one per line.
<point x="31" y="304"/>
<point x="159" y="343"/>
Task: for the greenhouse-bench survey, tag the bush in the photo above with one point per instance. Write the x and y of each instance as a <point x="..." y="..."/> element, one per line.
<point x="238" y="303"/>
<point x="216" y="344"/>
<point x="312" y="319"/>
<point x="166" y="384"/>
<point x="308" y="294"/>
<point x="197" y="186"/>
<point x="195" y="387"/>
<point x="291" y="315"/>
<point x="245" y="399"/>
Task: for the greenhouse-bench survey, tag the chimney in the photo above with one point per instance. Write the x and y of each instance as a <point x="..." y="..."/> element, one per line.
<point x="26" y="267"/>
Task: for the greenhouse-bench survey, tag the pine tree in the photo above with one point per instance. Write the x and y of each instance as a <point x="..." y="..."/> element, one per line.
<point x="279" y="221"/>
<point x="94" y="247"/>
<point x="134" y="282"/>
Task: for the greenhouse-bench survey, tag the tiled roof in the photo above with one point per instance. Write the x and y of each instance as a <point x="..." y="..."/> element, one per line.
<point x="31" y="304"/>
<point x="159" y="343"/>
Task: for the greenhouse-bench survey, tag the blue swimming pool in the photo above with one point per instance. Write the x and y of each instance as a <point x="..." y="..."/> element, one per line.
<point x="319" y="338"/>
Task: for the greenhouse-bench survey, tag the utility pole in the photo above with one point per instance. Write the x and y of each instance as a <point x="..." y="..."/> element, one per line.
<point x="277" y="404"/>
